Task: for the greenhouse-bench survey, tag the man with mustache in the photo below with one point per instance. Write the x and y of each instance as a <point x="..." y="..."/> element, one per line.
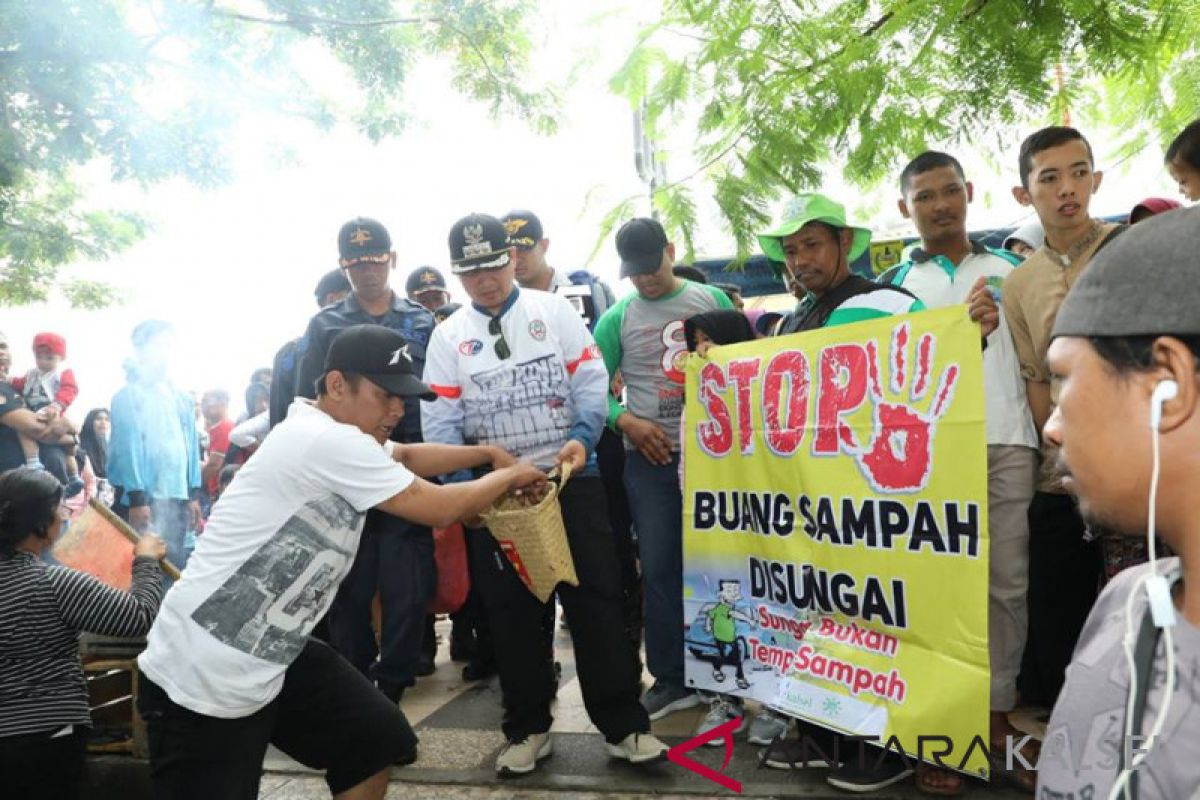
<point x="1058" y="179"/>
<point x="815" y="246"/>
<point x="1127" y="432"/>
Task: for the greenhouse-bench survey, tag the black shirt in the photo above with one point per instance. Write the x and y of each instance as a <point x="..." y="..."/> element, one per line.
<point x="11" y="454"/>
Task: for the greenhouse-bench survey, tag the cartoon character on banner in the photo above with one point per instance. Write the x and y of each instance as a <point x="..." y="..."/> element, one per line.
<point x="720" y="622"/>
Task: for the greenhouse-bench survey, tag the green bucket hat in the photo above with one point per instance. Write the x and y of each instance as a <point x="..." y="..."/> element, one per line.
<point x="811" y="207"/>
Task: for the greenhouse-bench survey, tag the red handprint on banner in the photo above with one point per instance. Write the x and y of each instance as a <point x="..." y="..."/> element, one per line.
<point x="900" y="454"/>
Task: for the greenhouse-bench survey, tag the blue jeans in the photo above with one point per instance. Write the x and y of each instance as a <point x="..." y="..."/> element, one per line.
<point x="656" y="504"/>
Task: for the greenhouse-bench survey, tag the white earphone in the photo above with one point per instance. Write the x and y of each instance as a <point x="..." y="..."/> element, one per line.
<point x="1164" y="391"/>
<point x="1160" y="607"/>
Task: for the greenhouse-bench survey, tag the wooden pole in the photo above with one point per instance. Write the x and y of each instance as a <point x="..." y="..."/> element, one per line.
<point x="130" y="534"/>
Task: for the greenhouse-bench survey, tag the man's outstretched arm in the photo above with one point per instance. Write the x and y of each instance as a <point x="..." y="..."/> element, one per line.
<point x="441" y="506"/>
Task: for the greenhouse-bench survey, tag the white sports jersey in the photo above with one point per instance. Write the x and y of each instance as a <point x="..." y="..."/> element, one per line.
<point x="552" y="386"/>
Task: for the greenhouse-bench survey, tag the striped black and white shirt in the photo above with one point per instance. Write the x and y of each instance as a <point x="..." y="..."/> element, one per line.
<point x="43" y="609"/>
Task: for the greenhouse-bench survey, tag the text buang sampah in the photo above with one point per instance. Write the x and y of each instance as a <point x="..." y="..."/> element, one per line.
<point x="872" y="523"/>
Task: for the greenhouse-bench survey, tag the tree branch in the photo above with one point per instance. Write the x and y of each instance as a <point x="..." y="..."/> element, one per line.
<point x="705" y="165"/>
<point x="298" y="20"/>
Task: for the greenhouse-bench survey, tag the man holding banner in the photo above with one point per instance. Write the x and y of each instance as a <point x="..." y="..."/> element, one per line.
<point x="858" y="534"/>
<point x="815" y="246"/>
<point x="949" y="269"/>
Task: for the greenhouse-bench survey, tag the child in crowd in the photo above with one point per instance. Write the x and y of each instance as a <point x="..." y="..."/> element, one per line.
<point x="49" y="390"/>
<point x="1183" y="161"/>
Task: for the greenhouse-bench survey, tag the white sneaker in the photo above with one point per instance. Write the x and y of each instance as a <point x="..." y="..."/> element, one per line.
<point x="639" y="748"/>
<point x="520" y="758"/>
<point x="768" y="726"/>
<point x="721" y="709"/>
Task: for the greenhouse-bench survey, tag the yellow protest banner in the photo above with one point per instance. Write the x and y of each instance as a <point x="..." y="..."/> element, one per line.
<point x="835" y="530"/>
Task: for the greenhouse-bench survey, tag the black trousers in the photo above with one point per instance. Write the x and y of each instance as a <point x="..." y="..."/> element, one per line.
<point x="395" y="558"/>
<point x="729" y="654"/>
<point x="327" y="716"/>
<point x="604" y="658"/>
<point x="36" y="767"/>
<point x="610" y="457"/>
<point x="1065" y="571"/>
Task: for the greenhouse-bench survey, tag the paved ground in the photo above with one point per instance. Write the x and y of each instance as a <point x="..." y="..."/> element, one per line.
<point x="459" y="726"/>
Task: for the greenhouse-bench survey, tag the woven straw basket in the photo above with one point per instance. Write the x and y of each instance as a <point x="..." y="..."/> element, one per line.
<point x="534" y="539"/>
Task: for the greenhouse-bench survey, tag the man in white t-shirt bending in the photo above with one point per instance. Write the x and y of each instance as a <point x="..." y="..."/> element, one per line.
<point x="229" y="665"/>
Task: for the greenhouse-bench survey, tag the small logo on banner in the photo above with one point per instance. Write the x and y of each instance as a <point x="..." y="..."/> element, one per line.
<point x="470" y="347"/>
<point x="537" y="329"/>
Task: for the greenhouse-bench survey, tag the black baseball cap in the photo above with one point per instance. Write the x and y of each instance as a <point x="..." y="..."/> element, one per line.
<point x="524" y="229"/>
<point x="381" y="356"/>
<point x="478" y="241"/>
<point x="424" y="279"/>
<point x="332" y="281"/>
<point x="640" y="244"/>
<point x="363" y="239"/>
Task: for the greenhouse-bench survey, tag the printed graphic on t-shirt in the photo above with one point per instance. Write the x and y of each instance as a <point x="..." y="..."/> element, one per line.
<point x="670" y="403"/>
<point x="268" y="607"/>
<point x="520" y="407"/>
<point x="675" y="352"/>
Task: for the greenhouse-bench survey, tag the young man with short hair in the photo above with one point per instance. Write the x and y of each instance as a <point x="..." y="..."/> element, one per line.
<point x="947" y="269"/>
<point x="518" y="370"/>
<point x="643" y="337"/>
<point x="1126" y="428"/>
<point x="1058" y="179"/>
<point x="229" y="665"/>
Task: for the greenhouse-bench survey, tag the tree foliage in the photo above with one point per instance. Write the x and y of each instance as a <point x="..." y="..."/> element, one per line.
<point x="151" y="88"/>
<point x="784" y="87"/>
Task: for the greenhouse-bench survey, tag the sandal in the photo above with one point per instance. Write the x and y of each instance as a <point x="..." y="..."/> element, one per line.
<point x="1018" y="777"/>
<point x="938" y="782"/>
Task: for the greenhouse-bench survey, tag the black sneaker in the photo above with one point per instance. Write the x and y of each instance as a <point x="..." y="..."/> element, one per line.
<point x="870" y="773"/>
<point x="813" y="747"/>
<point x="462" y="647"/>
<point x="425" y="666"/>
<point x="478" y="671"/>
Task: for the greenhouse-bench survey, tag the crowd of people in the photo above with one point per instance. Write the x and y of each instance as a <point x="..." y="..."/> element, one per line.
<point x="396" y="414"/>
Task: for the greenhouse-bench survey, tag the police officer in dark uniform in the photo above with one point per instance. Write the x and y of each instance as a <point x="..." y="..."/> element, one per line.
<point x="394" y="557"/>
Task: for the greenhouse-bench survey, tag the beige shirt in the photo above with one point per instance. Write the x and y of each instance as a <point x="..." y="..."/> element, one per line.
<point x="1032" y="296"/>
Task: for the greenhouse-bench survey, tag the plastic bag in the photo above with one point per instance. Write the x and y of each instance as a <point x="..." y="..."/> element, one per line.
<point x="453" y="583"/>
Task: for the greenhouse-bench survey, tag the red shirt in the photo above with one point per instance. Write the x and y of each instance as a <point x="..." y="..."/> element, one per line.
<point x="218" y="443"/>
